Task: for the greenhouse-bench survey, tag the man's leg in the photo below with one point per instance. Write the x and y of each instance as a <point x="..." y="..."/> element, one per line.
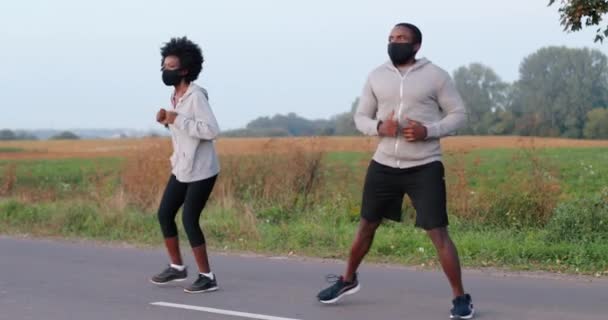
<point x="448" y="256"/>
<point x="382" y="198"/>
<point x="426" y="187"/>
<point x="348" y="284"/>
<point x="360" y="247"/>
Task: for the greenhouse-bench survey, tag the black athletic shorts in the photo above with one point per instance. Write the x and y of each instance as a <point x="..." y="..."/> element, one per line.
<point x="425" y="185"/>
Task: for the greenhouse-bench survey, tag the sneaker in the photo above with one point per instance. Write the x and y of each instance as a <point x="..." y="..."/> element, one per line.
<point x="463" y="308"/>
<point x="339" y="289"/>
<point x="168" y="275"/>
<point x="203" y="284"/>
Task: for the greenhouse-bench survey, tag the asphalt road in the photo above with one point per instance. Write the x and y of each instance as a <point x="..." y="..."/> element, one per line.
<point x="41" y="279"/>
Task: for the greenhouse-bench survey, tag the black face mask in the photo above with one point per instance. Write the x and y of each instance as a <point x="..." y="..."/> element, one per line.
<point x="400" y="53"/>
<point x="172" y="77"/>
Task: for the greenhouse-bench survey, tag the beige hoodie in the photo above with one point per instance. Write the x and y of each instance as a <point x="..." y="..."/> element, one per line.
<point x="425" y="93"/>
<point x="193" y="133"/>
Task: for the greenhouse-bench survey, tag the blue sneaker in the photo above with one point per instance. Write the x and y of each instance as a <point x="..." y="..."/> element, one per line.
<point x="338" y="290"/>
<point x="463" y="308"/>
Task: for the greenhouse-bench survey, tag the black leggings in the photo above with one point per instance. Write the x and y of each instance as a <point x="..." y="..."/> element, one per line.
<point x="193" y="195"/>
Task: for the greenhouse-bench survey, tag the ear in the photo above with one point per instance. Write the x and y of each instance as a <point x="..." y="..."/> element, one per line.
<point x="417" y="47"/>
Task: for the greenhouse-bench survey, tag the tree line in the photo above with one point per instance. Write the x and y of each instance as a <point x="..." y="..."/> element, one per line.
<point x="561" y="92"/>
<point x="7" y="134"/>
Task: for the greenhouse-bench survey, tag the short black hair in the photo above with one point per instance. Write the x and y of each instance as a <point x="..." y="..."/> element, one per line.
<point x="189" y="54"/>
<point x="414" y="29"/>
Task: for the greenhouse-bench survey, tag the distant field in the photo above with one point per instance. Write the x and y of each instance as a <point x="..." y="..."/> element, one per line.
<point x="118" y="148"/>
<point x="523" y="203"/>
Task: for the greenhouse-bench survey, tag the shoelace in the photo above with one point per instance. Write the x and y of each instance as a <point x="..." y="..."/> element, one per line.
<point x="170" y="270"/>
<point x="333" y="278"/>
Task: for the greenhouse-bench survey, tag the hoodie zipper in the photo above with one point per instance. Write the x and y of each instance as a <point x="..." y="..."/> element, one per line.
<point x="403" y="77"/>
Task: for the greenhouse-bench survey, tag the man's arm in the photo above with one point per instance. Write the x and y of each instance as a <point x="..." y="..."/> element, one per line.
<point x="365" y="116"/>
<point x="450" y="101"/>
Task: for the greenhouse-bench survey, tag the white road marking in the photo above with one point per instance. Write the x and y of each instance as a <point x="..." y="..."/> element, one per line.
<point x="219" y="311"/>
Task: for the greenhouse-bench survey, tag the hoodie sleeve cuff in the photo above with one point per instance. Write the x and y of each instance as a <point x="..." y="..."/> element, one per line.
<point x="377" y="126"/>
<point x="432" y="131"/>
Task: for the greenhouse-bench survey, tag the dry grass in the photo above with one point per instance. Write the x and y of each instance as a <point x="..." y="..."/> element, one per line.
<point x="271" y="177"/>
<point x="9" y="180"/>
<point x="58" y="149"/>
<point x="276" y="177"/>
<point x="279" y="194"/>
<point x="240" y="146"/>
<point x="145" y="174"/>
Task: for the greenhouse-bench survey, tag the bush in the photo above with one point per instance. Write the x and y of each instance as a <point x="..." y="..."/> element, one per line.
<point x="580" y="220"/>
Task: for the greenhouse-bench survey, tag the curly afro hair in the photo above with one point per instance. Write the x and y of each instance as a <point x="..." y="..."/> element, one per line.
<point x="189" y="54"/>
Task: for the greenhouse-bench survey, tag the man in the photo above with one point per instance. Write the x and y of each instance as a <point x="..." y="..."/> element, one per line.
<point x="409" y="104"/>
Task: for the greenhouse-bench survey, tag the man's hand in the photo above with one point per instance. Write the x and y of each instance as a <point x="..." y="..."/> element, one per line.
<point x="389" y="127"/>
<point x="415" y="131"/>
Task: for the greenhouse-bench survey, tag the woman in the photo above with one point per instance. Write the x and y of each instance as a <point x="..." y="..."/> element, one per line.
<point x="194" y="162"/>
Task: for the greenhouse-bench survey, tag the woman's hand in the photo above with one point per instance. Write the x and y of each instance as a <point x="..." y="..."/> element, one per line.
<point x="161" y="115"/>
<point x="170" y="117"/>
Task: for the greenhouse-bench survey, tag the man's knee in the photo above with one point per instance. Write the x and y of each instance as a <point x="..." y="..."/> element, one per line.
<point x="439" y="237"/>
<point x="367" y="229"/>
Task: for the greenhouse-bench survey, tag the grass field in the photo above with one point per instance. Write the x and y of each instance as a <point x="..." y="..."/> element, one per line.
<point x="120" y="148"/>
<point x="514" y="203"/>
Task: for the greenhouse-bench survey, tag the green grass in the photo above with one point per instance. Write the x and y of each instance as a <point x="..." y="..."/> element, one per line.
<point x="10" y="150"/>
<point x="312" y="236"/>
<point x="350" y="159"/>
<point x="61" y="175"/>
<point x="583" y="170"/>
<point x="76" y="219"/>
<point x="326" y="228"/>
<point x="580" y="170"/>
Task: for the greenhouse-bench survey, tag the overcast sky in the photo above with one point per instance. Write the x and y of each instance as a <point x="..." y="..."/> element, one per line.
<point x="95" y="64"/>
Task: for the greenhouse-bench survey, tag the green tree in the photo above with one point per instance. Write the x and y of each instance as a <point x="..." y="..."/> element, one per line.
<point x="484" y="94"/>
<point x="345" y="122"/>
<point x="65" y="135"/>
<point x="576" y="13"/>
<point x="558" y="86"/>
<point x="288" y="125"/>
<point x="597" y="124"/>
<point x="500" y="122"/>
<point x="24" y="135"/>
<point x="504" y="125"/>
<point x="6" y="134"/>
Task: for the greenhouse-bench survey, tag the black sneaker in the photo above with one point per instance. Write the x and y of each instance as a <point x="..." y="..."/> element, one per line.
<point x="463" y="308"/>
<point x="203" y="284"/>
<point x="168" y="275"/>
<point x="339" y="289"/>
